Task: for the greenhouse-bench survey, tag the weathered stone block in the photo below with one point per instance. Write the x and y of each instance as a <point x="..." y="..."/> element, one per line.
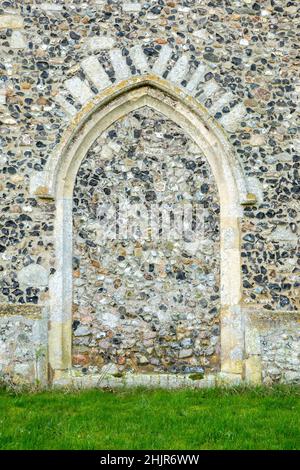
<point x="11" y="22"/>
<point x="33" y="275"/>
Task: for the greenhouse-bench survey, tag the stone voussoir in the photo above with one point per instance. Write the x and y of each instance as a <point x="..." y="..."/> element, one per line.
<point x="193" y="83"/>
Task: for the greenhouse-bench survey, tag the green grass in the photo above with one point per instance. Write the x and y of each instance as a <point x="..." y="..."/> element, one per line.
<point x="158" y="419"/>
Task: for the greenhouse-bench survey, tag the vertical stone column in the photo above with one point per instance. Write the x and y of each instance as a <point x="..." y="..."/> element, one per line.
<point x="232" y="334"/>
<point x="253" y="368"/>
<point x="60" y="322"/>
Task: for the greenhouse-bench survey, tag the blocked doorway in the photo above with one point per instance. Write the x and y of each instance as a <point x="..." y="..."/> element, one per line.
<point x="58" y="181"/>
<point x="146" y="297"/>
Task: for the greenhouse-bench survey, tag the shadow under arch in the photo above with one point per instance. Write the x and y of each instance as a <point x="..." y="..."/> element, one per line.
<point x="57" y="182"/>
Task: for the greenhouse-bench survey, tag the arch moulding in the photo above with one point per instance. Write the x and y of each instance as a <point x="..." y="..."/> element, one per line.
<point x="58" y="180"/>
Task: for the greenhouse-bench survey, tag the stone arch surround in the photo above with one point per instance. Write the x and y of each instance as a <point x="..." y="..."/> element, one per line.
<point x="58" y="181"/>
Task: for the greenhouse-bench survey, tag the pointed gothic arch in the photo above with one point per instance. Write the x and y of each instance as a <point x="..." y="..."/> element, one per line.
<point x="57" y="182"/>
